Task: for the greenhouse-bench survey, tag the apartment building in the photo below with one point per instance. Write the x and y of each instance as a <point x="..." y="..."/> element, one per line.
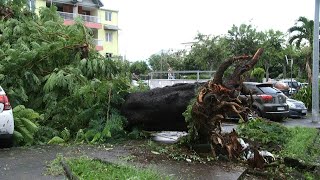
<point x="103" y="22"/>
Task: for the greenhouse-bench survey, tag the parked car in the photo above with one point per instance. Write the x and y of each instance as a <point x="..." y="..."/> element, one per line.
<point x="283" y="87"/>
<point x="296" y="108"/>
<point x="302" y="85"/>
<point x="293" y="85"/>
<point x="6" y="121"/>
<point x="268" y="102"/>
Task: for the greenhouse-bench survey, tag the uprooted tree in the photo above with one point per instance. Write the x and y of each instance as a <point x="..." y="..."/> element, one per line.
<point x="218" y="97"/>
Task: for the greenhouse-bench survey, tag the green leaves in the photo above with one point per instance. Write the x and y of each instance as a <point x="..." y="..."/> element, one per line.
<point x="25" y="127"/>
<point x="305" y="95"/>
<point x="266" y="132"/>
<point x="42" y="66"/>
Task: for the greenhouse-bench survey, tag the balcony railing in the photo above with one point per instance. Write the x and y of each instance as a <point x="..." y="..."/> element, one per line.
<point x="72" y="16"/>
<point x="98" y="42"/>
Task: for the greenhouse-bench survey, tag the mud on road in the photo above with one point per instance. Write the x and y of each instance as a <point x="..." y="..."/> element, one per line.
<point x="30" y="162"/>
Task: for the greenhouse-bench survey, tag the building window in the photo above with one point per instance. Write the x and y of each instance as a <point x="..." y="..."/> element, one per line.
<point x="109" y="37"/>
<point x="108" y="16"/>
<point x="109" y="55"/>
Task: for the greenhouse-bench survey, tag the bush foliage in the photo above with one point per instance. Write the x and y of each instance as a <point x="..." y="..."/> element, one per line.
<point x="305" y="95"/>
<point x="55" y="70"/>
<point x="266" y="132"/>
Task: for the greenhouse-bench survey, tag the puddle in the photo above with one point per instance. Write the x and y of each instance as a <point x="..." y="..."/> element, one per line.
<point x="169" y="137"/>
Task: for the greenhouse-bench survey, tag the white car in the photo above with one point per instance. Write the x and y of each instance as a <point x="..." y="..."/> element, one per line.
<point x="6" y="121"/>
<point x="297" y="109"/>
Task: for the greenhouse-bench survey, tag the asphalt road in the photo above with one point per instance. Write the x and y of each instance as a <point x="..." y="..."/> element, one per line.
<point x="289" y="122"/>
<point x="302" y="122"/>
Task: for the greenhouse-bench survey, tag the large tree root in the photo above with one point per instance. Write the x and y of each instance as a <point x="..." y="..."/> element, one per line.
<point x="216" y="99"/>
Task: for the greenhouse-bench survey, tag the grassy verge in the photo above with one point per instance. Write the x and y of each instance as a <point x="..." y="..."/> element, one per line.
<point x="304" y="144"/>
<point x="267" y="133"/>
<point x="300" y="143"/>
<point x="86" y="168"/>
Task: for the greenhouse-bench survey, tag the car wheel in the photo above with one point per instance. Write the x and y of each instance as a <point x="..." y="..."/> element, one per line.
<point x="9" y="142"/>
<point x="255" y="113"/>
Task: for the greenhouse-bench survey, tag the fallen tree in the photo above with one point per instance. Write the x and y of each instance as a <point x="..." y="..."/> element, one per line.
<point x="160" y="108"/>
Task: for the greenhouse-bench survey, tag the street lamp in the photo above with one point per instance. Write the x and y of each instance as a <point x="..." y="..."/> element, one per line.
<point x="291" y="64"/>
<point x="315" y="67"/>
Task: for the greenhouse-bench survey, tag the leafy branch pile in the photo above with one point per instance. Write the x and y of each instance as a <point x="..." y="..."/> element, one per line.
<point x="54" y="70"/>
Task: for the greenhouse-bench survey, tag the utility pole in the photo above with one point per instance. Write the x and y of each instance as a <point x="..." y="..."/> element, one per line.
<point x="315" y="69"/>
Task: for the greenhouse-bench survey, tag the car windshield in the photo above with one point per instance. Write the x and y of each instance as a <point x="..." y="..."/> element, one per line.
<point x="268" y="90"/>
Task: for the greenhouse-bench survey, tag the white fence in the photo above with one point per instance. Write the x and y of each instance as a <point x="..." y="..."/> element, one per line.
<point x="166" y="78"/>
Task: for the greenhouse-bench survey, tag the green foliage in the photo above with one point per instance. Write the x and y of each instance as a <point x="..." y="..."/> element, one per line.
<point x="207" y="53"/>
<point x="137" y="133"/>
<point x="258" y="74"/>
<point x="266" y="132"/>
<point x="192" y="131"/>
<point x="56" y="140"/>
<point x="142" y="87"/>
<point x="302" y="31"/>
<point x="162" y="61"/>
<point x="304" y="144"/>
<point x="65" y="134"/>
<point x="44" y="67"/>
<point x="139" y="67"/>
<point x="54" y="168"/>
<point x="244" y="39"/>
<point x="45" y="134"/>
<point x="305" y="95"/>
<point x="25" y="125"/>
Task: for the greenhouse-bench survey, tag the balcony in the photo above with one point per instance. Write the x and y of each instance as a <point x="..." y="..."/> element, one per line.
<point x="89" y="21"/>
<point x="99" y="44"/>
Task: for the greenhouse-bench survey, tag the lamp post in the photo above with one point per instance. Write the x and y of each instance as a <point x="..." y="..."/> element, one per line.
<point x="291" y="64"/>
<point x="315" y="68"/>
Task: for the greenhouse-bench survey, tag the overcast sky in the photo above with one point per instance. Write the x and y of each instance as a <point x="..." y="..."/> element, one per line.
<point x="148" y="26"/>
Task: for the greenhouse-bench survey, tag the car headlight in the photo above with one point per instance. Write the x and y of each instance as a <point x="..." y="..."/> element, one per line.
<point x="291" y="105"/>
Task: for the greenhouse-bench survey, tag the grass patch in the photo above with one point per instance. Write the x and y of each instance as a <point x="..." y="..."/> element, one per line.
<point x="304" y="144"/>
<point x="86" y="168"/>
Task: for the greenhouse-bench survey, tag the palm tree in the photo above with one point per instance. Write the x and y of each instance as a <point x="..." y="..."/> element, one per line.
<point x="303" y="32"/>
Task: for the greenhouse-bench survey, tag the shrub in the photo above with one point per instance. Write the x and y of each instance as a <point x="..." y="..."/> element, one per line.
<point x="258" y="74"/>
<point x="305" y="95"/>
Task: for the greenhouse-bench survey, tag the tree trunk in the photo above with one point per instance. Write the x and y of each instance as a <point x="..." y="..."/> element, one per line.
<point x="160" y="108"/>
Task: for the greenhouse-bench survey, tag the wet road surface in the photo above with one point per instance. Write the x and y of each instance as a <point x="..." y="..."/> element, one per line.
<point x="30" y="163"/>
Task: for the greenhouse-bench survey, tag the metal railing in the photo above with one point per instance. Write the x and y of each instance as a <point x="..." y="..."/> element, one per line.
<point x="98" y="42"/>
<point x="72" y="16"/>
<point x="180" y="75"/>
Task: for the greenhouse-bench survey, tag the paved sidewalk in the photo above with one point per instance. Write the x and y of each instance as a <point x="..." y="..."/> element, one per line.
<point x="304" y="122"/>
